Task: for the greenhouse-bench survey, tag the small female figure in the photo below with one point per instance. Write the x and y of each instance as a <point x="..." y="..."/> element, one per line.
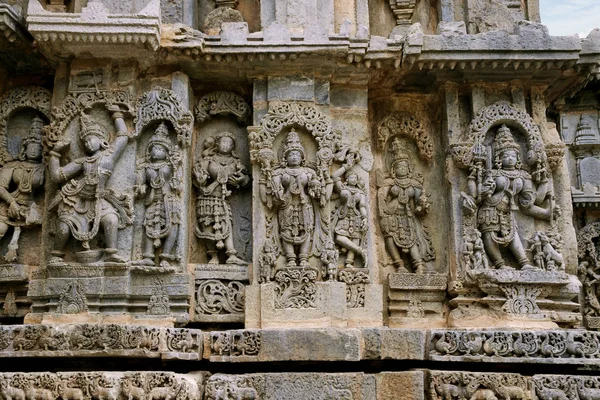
<point x="402" y="202"/>
<point x="216" y="176"/>
<point x="19" y="182"/>
<point x="350" y="217"/>
<point x="160" y="172"/>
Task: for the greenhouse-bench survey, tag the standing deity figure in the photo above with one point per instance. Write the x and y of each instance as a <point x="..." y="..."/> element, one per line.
<point x="84" y="203"/>
<point x="296" y="192"/>
<point x="159" y="180"/>
<point x="19" y="181"/>
<point x="402" y="202"/>
<point x="216" y="175"/>
<point x="497" y="196"/>
<point x="350" y="217"/>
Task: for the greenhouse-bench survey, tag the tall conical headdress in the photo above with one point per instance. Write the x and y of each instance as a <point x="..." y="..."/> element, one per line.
<point x="90" y="127"/>
<point x="292" y="142"/>
<point x="35" y="132"/>
<point x="504" y="141"/>
<point x="161" y="136"/>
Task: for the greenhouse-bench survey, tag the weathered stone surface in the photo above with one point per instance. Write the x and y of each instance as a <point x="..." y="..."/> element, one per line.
<point x="406" y="385"/>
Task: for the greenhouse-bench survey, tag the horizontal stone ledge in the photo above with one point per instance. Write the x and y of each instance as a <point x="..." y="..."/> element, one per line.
<point x="89" y="340"/>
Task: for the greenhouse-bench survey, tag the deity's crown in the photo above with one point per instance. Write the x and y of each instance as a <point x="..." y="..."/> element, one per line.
<point x="90" y="127"/>
<point x="35" y="131"/>
<point x="504" y="141"/>
<point x="161" y="136"/>
<point x="292" y="142"/>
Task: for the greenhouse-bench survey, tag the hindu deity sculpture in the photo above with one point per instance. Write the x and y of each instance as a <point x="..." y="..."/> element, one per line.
<point x="350" y="216"/>
<point x="217" y="174"/>
<point x="84" y="204"/>
<point x="298" y="195"/>
<point x="402" y="203"/>
<point x="159" y="180"/>
<point x="498" y="195"/>
<point x="20" y="181"/>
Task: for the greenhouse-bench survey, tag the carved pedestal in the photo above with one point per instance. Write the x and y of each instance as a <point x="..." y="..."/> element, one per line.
<point x="416" y="300"/>
<point x="511" y="298"/>
<point x="219" y="293"/>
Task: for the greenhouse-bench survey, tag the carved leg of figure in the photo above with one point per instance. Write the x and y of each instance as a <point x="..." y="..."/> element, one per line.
<point x="517" y="249"/>
<point x="417" y="261"/>
<point x="110" y="227"/>
<point x="171" y="241"/>
<point x="60" y="242"/>
<point x="353" y="247"/>
<point x="3" y="229"/>
<point x="13" y="246"/>
<point x="492" y="249"/>
<point x="290" y="254"/>
<point x="394" y="253"/>
<point x="165" y="260"/>
<point x="230" y="249"/>
<point x="303" y="253"/>
<point x="211" y="247"/>
<point x="147" y="252"/>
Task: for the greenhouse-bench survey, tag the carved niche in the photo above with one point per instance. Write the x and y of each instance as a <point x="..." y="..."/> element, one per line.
<point x="511" y="242"/>
<point x="415" y="289"/>
<point x="589" y="273"/>
<point x="23" y="113"/>
<point x="165" y="130"/>
<point x="294" y="148"/>
<point x="223" y="207"/>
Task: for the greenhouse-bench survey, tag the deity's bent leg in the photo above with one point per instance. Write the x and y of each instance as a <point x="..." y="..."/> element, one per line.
<point x="62" y="234"/>
<point x="230" y="249"/>
<point x="517" y="249"/>
<point x="393" y="251"/>
<point x="492" y="249"/>
<point x="110" y="227"/>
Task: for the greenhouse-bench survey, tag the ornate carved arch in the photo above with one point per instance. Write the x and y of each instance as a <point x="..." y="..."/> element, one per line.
<point x="495" y="115"/>
<point x="283" y="115"/>
<point x="221" y="103"/>
<point x="162" y="104"/>
<point x="74" y="104"/>
<point x="33" y="97"/>
<point x="406" y="125"/>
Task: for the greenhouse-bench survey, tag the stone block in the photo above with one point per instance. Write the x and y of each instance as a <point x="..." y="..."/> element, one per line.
<point x="291" y="89"/>
<point x="408" y="385"/>
<point x="403" y="344"/>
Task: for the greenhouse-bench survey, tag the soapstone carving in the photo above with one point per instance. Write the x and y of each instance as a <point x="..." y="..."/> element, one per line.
<point x="21" y="181"/>
<point x="159" y="180"/>
<point x="402" y="203"/>
<point x="84" y="205"/>
<point x="216" y="176"/>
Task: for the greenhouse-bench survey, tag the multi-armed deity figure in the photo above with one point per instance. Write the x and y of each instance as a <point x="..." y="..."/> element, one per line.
<point x="497" y="194"/>
<point x="19" y="181"/>
<point x="402" y="203"/>
<point x="85" y="204"/>
<point x="159" y="179"/>
<point x="216" y="175"/>
<point x="298" y="194"/>
<point x="350" y="217"/>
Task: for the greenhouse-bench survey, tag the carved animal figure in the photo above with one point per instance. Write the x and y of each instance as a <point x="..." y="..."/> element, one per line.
<point x="586" y="393"/>
<point x="132" y="392"/>
<point x="165" y="393"/>
<point x="550" y="394"/>
<point x="472" y="343"/>
<point x="104" y="393"/>
<point x="484" y="394"/>
<point x="246" y="393"/>
<point x="69" y="393"/>
<point x="574" y="347"/>
<point x="512" y="392"/>
<point x="448" y="391"/>
<point x="10" y="393"/>
<point x="185" y="344"/>
<point x="221" y="344"/>
<point x="32" y="393"/>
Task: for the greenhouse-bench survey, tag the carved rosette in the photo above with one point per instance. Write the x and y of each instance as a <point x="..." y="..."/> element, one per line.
<point x="28" y="97"/>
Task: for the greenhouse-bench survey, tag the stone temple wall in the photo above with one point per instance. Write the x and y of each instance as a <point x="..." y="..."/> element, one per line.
<point x="297" y="199"/>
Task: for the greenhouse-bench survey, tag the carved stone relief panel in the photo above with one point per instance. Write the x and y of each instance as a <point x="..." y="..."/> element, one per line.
<point x="221" y="248"/>
<point x="474" y="385"/>
<point x="511" y="246"/>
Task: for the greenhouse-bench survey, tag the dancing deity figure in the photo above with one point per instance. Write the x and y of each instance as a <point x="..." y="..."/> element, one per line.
<point x="499" y="195"/>
<point x="402" y="202"/>
<point x="19" y="182"/>
<point x="216" y="175"/>
<point x="84" y="203"/>
<point x="296" y="192"/>
<point x="350" y="217"/>
<point x="161" y="174"/>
